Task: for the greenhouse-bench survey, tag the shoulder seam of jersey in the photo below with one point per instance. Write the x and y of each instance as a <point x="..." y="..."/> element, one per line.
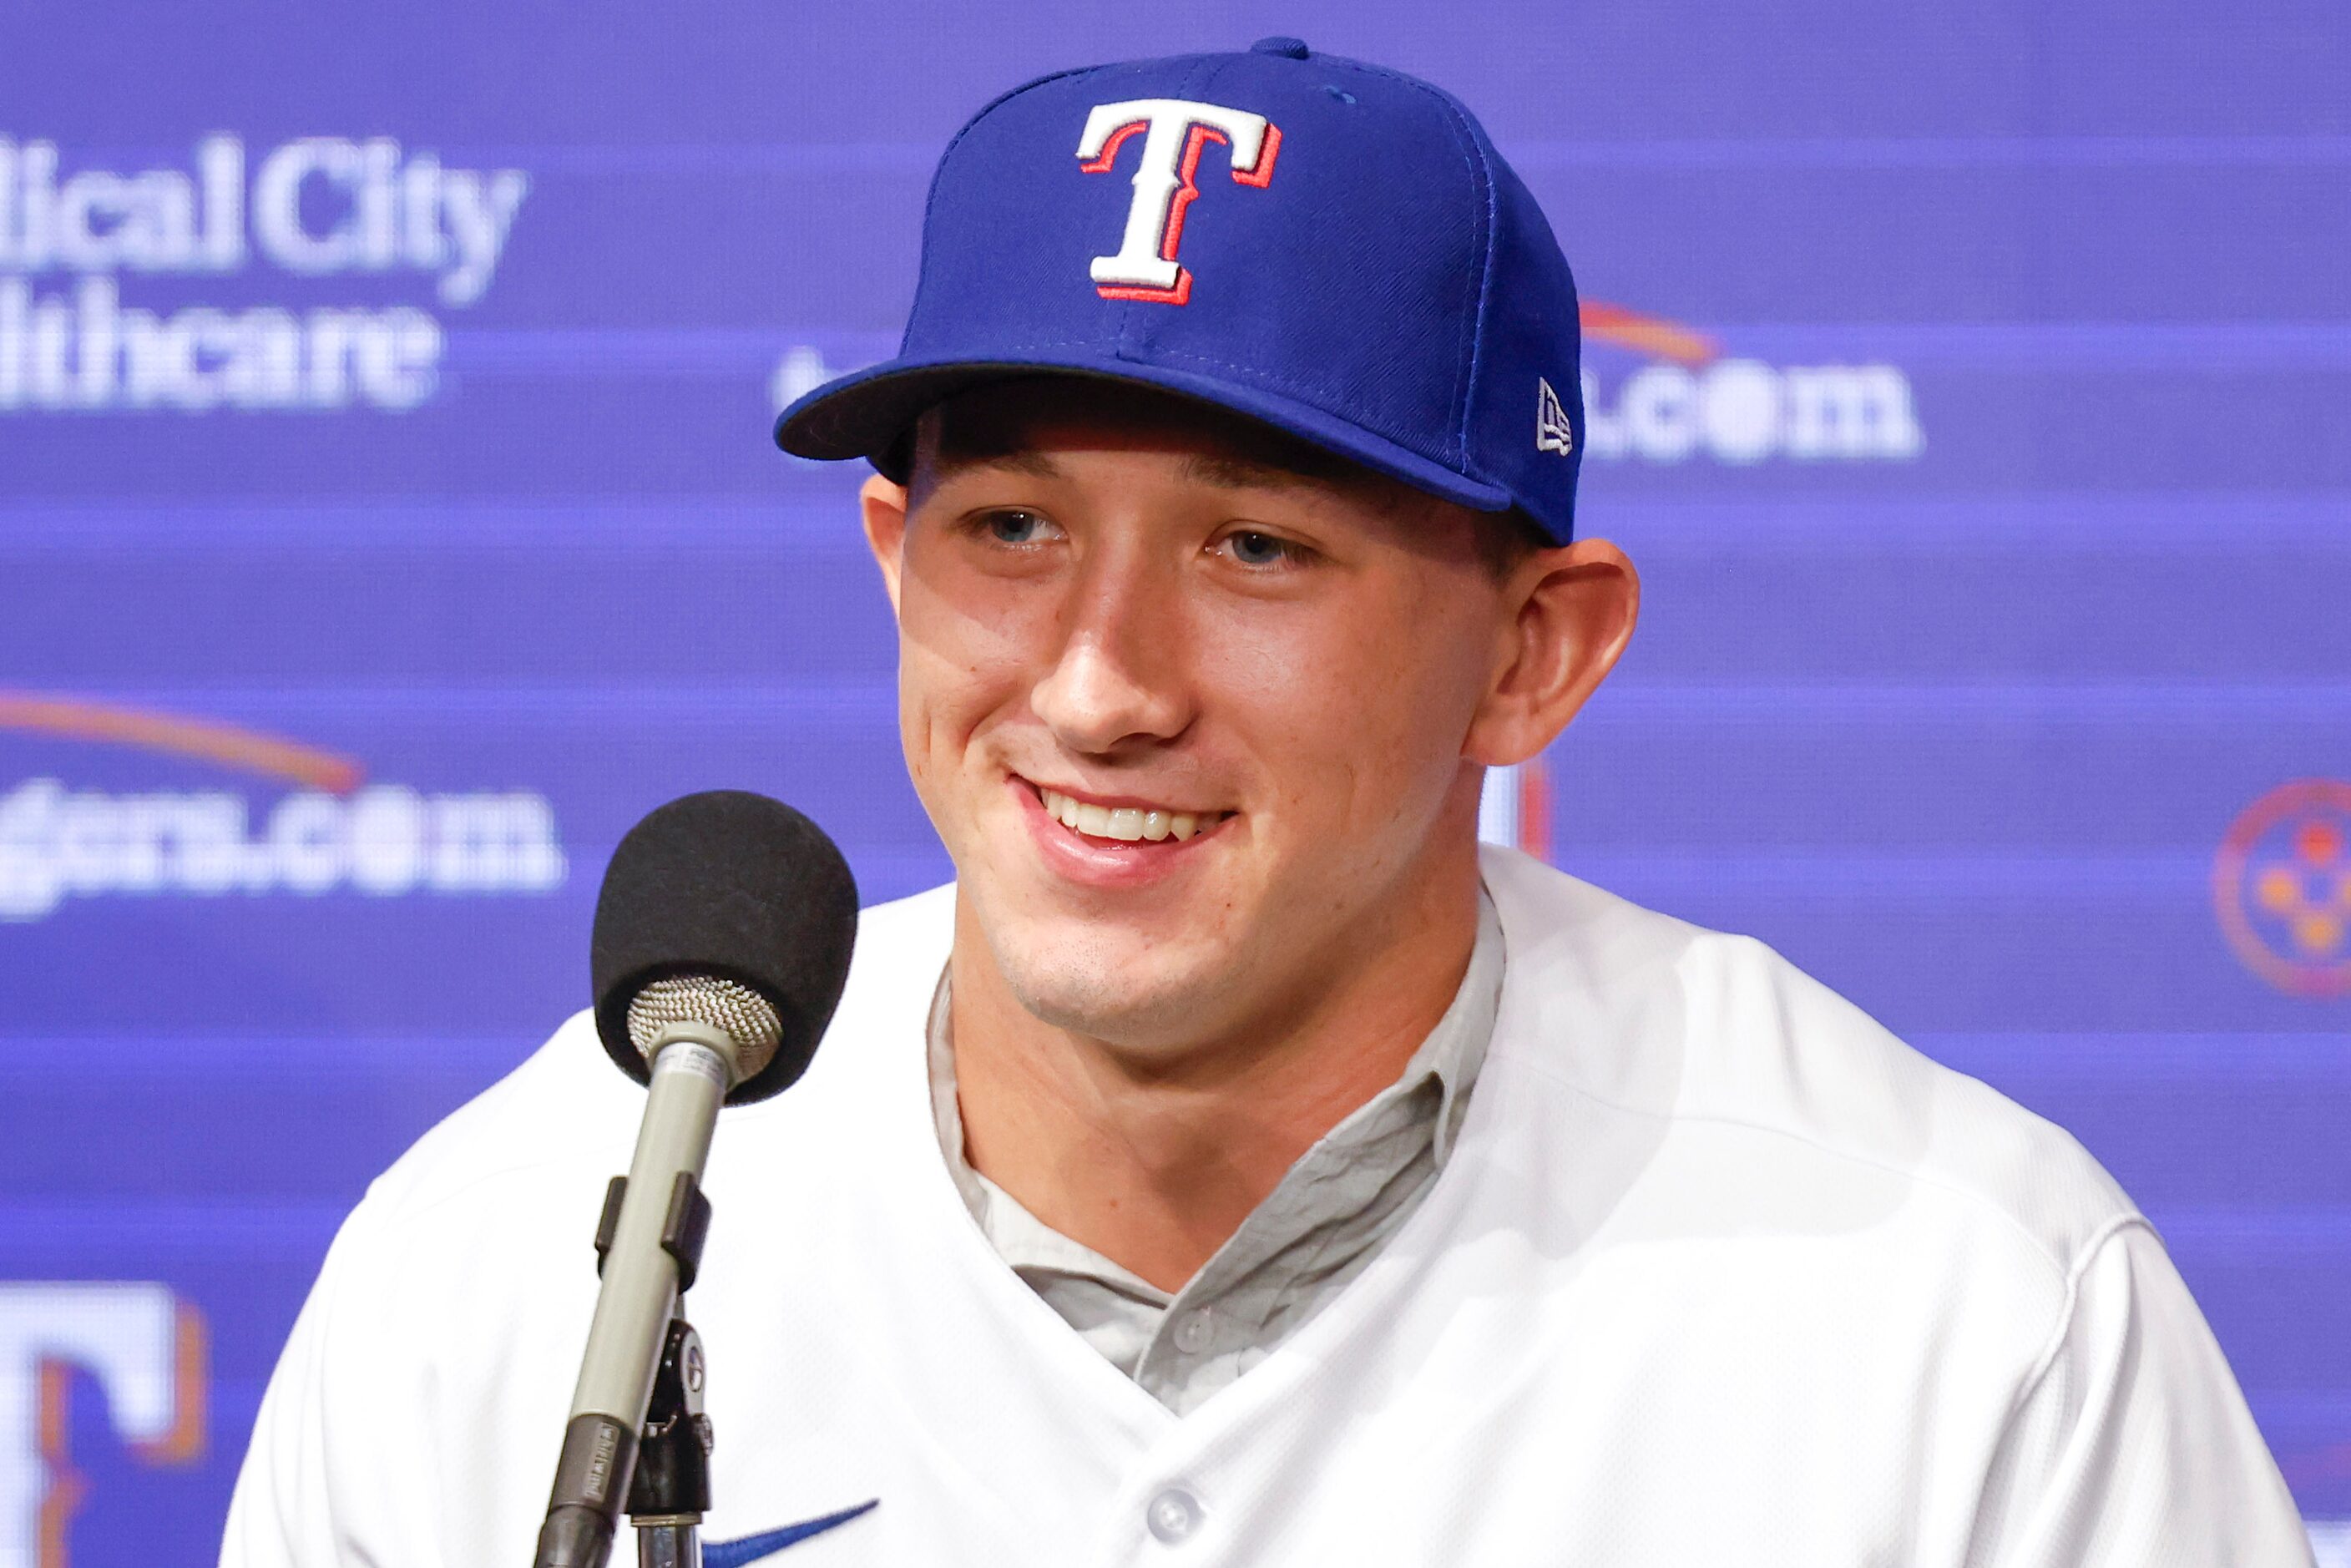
<point x="2058" y="1266"/>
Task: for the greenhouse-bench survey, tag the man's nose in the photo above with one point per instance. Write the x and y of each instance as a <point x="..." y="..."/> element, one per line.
<point x="1119" y="676"/>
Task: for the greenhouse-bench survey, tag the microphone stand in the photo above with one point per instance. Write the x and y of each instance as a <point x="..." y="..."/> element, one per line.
<point x="669" y="1482"/>
<point x="670" y="1492"/>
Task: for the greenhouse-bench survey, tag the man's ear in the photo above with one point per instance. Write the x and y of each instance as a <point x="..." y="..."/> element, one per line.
<point x="884" y="505"/>
<point x="1570" y="613"/>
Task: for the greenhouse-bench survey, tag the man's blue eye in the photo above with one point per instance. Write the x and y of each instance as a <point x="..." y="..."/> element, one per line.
<point x="1014" y="527"/>
<point x="1260" y="549"/>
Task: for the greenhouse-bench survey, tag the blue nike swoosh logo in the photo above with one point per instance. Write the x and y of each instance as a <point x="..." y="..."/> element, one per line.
<point x="751" y="1548"/>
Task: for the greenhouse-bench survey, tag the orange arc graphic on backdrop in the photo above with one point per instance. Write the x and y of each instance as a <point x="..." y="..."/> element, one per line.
<point x="1647" y="334"/>
<point x="207" y="739"/>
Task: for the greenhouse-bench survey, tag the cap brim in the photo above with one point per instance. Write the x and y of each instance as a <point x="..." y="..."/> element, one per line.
<point x="864" y="414"/>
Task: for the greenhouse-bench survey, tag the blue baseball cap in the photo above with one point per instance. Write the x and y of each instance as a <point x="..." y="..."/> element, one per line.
<point x="1329" y="248"/>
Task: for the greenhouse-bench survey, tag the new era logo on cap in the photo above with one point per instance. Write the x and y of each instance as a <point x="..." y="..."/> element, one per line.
<point x="1552" y="431"/>
<point x="1369" y="274"/>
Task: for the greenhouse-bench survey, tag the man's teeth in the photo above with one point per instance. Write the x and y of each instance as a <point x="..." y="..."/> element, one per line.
<point x="1125" y="823"/>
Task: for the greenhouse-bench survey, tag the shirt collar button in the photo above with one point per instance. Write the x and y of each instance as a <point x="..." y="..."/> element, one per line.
<point x="1173" y="1515"/>
<point x="1194" y="1331"/>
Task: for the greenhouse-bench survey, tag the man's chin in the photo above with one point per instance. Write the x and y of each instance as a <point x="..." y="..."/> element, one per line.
<point x="1123" y="995"/>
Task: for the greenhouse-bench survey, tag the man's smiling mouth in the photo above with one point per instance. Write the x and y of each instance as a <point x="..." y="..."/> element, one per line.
<point x="1128" y="823"/>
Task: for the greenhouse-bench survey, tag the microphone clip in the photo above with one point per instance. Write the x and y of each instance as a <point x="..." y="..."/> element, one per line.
<point x="684" y="1227"/>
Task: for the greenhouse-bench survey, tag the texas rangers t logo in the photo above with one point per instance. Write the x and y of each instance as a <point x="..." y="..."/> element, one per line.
<point x="1174" y="128"/>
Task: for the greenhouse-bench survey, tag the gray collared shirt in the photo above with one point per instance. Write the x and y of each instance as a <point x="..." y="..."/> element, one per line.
<point x="1313" y="1233"/>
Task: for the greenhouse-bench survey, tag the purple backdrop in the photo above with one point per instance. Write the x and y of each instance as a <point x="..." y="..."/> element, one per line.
<point x="386" y="519"/>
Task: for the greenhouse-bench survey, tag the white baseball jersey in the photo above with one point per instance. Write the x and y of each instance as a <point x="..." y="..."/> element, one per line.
<point x="1719" y="1273"/>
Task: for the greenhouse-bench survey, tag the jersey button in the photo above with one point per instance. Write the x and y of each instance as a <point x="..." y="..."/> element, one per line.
<point x="1193" y="1333"/>
<point x="1173" y="1515"/>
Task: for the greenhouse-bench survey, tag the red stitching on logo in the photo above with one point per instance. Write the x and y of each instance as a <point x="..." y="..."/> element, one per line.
<point x="1261" y="176"/>
<point x="1178" y="295"/>
<point x="1102" y="165"/>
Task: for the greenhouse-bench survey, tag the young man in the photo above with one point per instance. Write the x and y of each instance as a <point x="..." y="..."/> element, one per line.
<point x="1236" y="1165"/>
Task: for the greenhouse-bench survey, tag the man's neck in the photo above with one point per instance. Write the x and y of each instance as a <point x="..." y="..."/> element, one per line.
<point x="1154" y="1163"/>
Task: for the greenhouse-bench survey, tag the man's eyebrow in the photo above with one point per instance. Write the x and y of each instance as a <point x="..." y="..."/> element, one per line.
<point x="1242" y="473"/>
<point x="1034" y="464"/>
<point x="1222" y="470"/>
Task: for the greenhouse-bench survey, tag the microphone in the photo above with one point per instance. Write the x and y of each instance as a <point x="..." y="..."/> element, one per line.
<point x="722" y="941"/>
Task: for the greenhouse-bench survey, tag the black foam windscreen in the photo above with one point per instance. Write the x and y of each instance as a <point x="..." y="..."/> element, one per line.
<point x="734" y="884"/>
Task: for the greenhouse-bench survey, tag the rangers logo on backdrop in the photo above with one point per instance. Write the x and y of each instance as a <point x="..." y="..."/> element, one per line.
<point x="75" y="240"/>
<point x="144" y="1346"/>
